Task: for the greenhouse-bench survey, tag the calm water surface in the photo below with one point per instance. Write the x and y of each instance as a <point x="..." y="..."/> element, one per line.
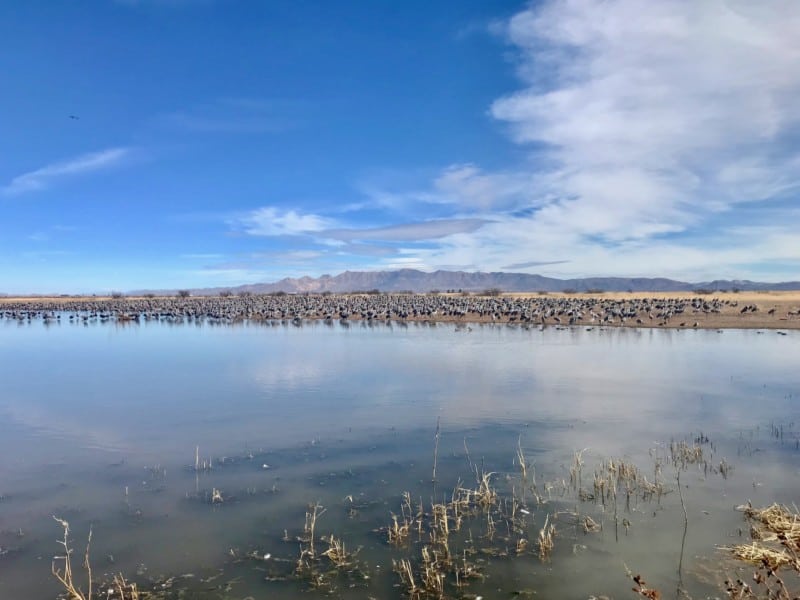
<point x="100" y="425"/>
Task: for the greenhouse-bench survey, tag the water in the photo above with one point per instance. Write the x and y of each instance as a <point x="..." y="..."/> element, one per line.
<point x="99" y="425"/>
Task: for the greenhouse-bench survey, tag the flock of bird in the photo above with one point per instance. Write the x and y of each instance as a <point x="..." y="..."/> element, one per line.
<point x="378" y="307"/>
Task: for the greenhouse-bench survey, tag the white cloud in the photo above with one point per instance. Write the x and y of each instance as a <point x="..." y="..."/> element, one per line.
<point x="652" y="127"/>
<point x="464" y="186"/>
<point x="663" y="140"/>
<point x="86" y="163"/>
<point x="657" y="112"/>
<point x="407" y="232"/>
<point x="271" y="221"/>
<point x="468" y="186"/>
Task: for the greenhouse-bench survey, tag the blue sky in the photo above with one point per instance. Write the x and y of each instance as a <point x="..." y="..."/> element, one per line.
<point x="221" y="142"/>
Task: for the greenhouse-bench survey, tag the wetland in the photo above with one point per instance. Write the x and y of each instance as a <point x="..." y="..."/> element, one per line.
<point x="395" y="459"/>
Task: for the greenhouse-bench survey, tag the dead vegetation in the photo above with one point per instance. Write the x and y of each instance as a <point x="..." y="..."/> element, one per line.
<point x="118" y="588"/>
<point x="641" y="588"/>
<point x="322" y="570"/>
<point x="64" y="573"/>
<point x="440" y="547"/>
<point x="775" y="533"/>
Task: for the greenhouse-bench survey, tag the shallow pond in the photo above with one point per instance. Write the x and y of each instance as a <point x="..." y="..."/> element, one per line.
<point x="194" y="451"/>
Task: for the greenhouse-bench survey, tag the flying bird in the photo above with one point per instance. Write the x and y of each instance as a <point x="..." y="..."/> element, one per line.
<point x="74" y="118"/>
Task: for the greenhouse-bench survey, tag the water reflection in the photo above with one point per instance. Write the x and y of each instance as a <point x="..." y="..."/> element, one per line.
<point x="84" y="410"/>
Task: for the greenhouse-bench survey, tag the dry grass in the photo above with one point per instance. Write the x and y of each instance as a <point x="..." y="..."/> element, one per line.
<point x="779" y="523"/>
<point x="776" y="538"/>
<point x="118" y="589"/>
<point x="64" y="574"/>
<point x="758" y="554"/>
<point x="546" y="539"/>
<point x="337" y="553"/>
<point x="776" y="543"/>
<point x="684" y="454"/>
<point x="590" y="525"/>
<point x="406" y="573"/>
<point x="790" y="297"/>
<point x="125" y="590"/>
<point x="441" y="545"/>
<point x="398" y="534"/>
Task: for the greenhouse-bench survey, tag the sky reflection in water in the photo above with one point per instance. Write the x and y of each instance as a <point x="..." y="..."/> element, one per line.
<point x="76" y="399"/>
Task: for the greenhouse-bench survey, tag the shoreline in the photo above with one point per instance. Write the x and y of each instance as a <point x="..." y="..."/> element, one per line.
<point x="665" y="310"/>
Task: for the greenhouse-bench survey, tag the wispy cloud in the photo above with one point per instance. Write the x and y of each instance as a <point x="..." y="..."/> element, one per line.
<point x="234" y="116"/>
<point x="43" y="255"/>
<point x="658" y="140"/>
<point x="202" y="256"/>
<point x="39" y="236"/>
<point x="652" y="116"/>
<point x="362" y="249"/>
<point x="272" y="221"/>
<point x="86" y="163"/>
<point x="407" y="232"/>
<point x="644" y="127"/>
<point x="53" y="231"/>
<point x="464" y="186"/>
<point x="534" y="263"/>
<point x="467" y="186"/>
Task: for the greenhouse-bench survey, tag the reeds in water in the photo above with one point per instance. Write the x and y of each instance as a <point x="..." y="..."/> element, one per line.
<point x="64" y="574"/>
<point x="118" y="588"/>
<point x="546" y="539"/>
<point x="776" y="538"/>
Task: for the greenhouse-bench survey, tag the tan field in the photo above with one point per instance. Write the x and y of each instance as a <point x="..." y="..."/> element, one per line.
<point x="786" y="307"/>
<point x="742" y="297"/>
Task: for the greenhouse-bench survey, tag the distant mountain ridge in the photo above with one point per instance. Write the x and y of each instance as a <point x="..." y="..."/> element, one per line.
<point x="420" y="281"/>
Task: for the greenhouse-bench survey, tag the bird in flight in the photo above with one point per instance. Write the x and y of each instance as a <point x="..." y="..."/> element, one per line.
<point x="74" y="118"/>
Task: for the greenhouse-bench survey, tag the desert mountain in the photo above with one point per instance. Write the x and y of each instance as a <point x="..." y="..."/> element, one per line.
<point x="420" y="281"/>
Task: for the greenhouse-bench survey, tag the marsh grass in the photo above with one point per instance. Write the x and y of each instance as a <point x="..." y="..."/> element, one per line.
<point x="337" y="553"/>
<point x="441" y="546"/>
<point x="774" y="554"/>
<point x="775" y="532"/>
<point x="546" y="539"/>
<point x="64" y="574"/>
<point x="118" y="588"/>
<point x="338" y="560"/>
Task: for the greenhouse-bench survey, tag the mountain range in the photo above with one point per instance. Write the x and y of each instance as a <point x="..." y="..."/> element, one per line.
<point x="420" y="281"/>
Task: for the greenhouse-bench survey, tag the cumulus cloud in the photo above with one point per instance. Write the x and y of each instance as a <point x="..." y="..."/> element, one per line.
<point x="42" y="178"/>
